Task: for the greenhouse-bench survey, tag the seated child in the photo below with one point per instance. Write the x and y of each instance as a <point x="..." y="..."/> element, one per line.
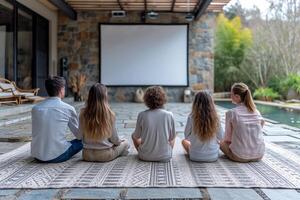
<point x="203" y="130"/>
<point x="97" y="124"/>
<point x="154" y="135"/>
<point x="244" y="140"/>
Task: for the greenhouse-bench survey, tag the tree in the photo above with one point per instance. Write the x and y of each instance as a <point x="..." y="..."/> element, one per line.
<point x="232" y="42"/>
<point x="276" y="44"/>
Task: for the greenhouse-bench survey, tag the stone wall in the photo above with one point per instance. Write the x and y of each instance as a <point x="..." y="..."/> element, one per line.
<point x="79" y="42"/>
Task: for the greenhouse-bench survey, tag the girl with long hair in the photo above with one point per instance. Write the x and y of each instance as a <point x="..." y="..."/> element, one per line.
<point x="203" y="130"/>
<point x="243" y="127"/>
<point x="97" y="125"/>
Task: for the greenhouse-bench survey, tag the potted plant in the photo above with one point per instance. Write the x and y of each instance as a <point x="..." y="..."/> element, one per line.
<point x="77" y="82"/>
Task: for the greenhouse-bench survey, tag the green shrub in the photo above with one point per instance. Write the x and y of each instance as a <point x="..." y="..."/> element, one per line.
<point x="291" y="82"/>
<point x="265" y="94"/>
<point x="275" y="83"/>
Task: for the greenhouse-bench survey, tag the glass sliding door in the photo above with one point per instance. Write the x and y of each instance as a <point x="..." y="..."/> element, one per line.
<point x="6" y="40"/>
<point x="24" y="49"/>
<point x="24" y="45"/>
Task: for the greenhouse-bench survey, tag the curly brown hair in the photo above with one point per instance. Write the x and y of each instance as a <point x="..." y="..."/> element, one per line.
<point x="155" y="97"/>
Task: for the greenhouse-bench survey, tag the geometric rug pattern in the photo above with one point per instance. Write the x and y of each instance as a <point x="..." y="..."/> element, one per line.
<point x="278" y="169"/>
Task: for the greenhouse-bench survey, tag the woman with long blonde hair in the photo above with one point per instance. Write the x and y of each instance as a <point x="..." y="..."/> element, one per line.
<point x="203" y="130"/>
<point x="97" y="125"/>
<point x="243" y="127"/>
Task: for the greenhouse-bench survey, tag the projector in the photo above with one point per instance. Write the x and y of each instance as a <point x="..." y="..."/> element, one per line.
<point x="118" y="13"/>
<point x="189" y="17"/>
<point x="152" y="15"/>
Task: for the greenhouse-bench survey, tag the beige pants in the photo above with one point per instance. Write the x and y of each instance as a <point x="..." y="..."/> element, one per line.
<point x="95" y="155"/>
<point x="227" y="151"/>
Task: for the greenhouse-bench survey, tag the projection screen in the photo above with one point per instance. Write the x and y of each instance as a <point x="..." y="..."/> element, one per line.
<point x="141" y="55"/>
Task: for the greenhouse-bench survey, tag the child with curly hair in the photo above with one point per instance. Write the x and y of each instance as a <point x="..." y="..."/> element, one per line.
<point x="154" y="135"/>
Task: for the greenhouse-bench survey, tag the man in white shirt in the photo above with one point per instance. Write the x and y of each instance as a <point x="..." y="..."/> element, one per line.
<point x="50" y="120"/>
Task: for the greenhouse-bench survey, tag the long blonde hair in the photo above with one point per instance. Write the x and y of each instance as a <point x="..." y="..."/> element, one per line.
<point x="244" y="92"/>
<point x="205" y="117"/>
<point x="97" y="119"/>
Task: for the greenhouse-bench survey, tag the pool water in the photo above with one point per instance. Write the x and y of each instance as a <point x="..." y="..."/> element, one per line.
<point x="281" y="115"/>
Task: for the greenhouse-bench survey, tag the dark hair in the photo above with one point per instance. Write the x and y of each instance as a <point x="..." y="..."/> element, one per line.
<point x="205" y="117"/>
<point x="155" y="97"/>
<point x="54" y="84"/>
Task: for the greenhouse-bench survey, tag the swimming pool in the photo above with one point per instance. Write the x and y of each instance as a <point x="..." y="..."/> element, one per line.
<point x="281" y="115"/>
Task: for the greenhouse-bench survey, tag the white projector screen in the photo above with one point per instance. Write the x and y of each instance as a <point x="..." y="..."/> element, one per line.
<point x="141" y="55"/>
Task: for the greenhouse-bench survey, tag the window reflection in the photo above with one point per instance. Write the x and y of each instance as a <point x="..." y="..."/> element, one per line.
<point x="6" y="40"/>
<point x="24" y="61"/>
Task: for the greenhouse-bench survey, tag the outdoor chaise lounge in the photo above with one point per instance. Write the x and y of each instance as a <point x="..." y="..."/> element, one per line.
<point x="10" y="88"/>
<point x="8" y="97"/>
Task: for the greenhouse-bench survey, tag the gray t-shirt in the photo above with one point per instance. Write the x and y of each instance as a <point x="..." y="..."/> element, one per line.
<point x="156" y="128"/>
<point x="202" y="151"/>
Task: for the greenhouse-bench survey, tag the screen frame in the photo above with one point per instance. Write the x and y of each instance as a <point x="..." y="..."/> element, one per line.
<point x="146" y="24"/>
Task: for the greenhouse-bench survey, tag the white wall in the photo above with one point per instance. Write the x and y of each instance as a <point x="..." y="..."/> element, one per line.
<point x="50" y="15"/>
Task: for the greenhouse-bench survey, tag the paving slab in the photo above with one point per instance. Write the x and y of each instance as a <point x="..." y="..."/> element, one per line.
<point x="281" y="139"/>
<point x="39" y="194"/>
<point x="7" y="110"/>
<point x="9" y="146"/>
<point x="8" y="192"/>
<point x="163" y="193"/>
<point x="282" y="194"/>
<point x="233" y="194"/>
<point x="275" y="130"/>
<point x="292" y="146"/>
<point x="93" y="193"/>
<point x="12" y="119"/>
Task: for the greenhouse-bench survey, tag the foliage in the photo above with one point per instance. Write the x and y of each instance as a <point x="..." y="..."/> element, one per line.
<point x="276" y="44"/>
<point x="232" y="42"/>
<point x="235" y="10"/>
<point x="266" y="94"/>
<point x="275" y="83"/>
<point x="292" y="81"/>
<point x="273" y="51"/>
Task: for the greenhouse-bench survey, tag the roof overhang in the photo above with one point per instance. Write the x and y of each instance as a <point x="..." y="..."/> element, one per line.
<point x="192" y="7"/>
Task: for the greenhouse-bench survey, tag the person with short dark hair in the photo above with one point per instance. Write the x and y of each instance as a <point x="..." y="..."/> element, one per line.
<point x="50" y="120"/>
<point x="154" y="135"/>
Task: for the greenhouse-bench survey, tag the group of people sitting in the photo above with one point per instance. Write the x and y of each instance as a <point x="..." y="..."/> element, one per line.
<point x="154" y="135"/>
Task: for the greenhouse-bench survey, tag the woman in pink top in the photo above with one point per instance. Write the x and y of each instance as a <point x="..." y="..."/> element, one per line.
<point x="243" y="128"/>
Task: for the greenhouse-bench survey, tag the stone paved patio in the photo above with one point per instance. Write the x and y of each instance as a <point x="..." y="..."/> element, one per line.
<point x="15" y="130"/>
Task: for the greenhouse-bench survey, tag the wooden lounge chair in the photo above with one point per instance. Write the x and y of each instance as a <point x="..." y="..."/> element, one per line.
<point x="24" y="95"/>
<point x="8" y="97"/>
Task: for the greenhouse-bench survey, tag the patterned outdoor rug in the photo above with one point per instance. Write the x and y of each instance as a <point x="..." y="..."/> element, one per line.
<point x="278" y="169"/>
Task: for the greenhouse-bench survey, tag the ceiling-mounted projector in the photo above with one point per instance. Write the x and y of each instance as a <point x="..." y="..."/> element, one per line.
<point x="118" y="13"/>
<point x="152" y="15"/>
<point x="189" y="17"/>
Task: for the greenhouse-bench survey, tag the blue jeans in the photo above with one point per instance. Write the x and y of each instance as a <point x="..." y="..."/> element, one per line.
<point x="76" y="146"/>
